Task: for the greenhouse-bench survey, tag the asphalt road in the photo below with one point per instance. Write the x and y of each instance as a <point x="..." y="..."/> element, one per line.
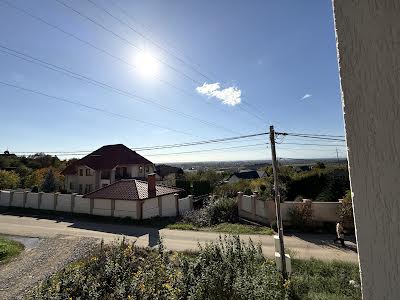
<point x="303" y="246"/>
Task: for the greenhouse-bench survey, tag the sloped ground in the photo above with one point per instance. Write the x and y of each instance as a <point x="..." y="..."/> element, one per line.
<point x="36" y="263"/>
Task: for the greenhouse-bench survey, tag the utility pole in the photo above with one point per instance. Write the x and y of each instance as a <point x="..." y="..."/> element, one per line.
<point x="337" y="156"/>
<point x="277" y="202"/>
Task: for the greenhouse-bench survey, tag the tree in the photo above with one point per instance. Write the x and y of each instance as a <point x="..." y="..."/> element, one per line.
<point x="50" y="183"/>
<point x="8" y="179"/>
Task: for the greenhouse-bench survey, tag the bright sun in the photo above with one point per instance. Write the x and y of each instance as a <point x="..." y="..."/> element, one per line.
<point x="146" y="64"/>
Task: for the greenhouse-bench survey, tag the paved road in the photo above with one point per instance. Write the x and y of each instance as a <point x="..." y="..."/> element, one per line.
<point x="302" y="246"/>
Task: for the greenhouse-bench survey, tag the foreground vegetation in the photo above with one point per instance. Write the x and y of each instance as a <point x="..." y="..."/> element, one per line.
<point x="227" y="269"/>
<point x="9" y="249"/>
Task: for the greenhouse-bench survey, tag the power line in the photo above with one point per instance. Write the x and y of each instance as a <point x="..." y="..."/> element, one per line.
<point x="210" y="141"/>
<point x="124" y="39"/>
<point x="174" y="48"/>
<point x="119" y="59"/>
<point x="312" y="144"/>
<point x="147" y="39"/>
<point x="94" y="108"/>
<point x="310" y="136"/>
<point x="103" y="85"/>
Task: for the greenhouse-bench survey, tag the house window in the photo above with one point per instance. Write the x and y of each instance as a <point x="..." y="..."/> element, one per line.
<point x="80" y="172"/>
<point x="71" y="185"/>
<point x="147" y="169"/>
<point x="80" y="188"/>
<point x="140" y="169"/>
<point x="88" y="172"/>
<point x="88" y="188"/>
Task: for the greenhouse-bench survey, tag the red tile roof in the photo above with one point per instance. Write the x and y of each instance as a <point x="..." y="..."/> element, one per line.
<point x="106" y="158"/>
<point x="130" y="189"/>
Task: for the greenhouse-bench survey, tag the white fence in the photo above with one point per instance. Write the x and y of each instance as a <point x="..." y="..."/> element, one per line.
<point x="252" y="208"/>
<point x="165" y="206"/>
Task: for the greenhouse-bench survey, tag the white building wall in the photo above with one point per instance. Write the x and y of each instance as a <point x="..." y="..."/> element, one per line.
<point x="125" y="208"/>
<point x="102" y="207"/>
<point x="81" y="205"/>
<point x="64" y="202"/>
<point x="168" y="205"/>
<point x="5" y="198"/>
<point x="368" y="37"/>
<point x="150" y="208"/>
<point x="32" y="200"/>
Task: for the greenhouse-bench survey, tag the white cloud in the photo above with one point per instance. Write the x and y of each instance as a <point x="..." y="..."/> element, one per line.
<point x="229" y="96"/>
<point x="306" y="96"/>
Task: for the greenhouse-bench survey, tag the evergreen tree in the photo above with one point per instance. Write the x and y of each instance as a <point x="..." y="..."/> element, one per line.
<point x="49" y="184"/>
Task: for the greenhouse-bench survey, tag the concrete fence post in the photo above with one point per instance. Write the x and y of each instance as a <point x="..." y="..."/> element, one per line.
<point x="139" y="209"/>
<point x="73" y="195"/>
<point x="112" y="207"/>
<point x="55" y="200"/>
<point x="24" y="199"/>
<point x="91" y="205"/>
<point x="176" y="196"/>
<point x="40" y="194"/>
<point x="239" y="200"/>
<point x="190" y="202"/>
<point x="253" y="204"/>
<point x="11" y="198"/>
<point x="159" y="200"/>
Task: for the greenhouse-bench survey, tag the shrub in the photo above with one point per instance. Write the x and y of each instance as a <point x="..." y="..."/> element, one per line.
<point x="346" y="209"/>
<point x="8" y="179"/>
<point x="301" y="215"/>
<point x="215" y="211"/>
<point x="228" y="269"/>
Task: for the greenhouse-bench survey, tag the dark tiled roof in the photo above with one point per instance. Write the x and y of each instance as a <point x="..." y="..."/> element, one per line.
<point x="250" y="174"/>
<point x="130" y="189"/>
<point x="106" y="158"/>
<point x="165" y="170"/>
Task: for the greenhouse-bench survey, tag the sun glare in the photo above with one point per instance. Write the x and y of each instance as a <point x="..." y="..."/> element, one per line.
<point x="146" y="64"/>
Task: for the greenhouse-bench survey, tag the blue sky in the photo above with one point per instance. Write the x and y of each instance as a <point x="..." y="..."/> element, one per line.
<point x="272" y="53"/>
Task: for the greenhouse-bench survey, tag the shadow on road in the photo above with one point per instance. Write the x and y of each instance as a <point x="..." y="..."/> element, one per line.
<point x="326" y="240"/>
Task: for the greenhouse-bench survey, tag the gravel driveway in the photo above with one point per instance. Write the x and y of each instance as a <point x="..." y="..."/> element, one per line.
<point x="36" y="263"/>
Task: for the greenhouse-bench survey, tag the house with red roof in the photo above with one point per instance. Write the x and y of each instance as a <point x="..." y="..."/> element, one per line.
<point x="105" y="166"/>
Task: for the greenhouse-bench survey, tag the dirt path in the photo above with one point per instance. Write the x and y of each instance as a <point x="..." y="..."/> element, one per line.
<point x="35" y="264"/>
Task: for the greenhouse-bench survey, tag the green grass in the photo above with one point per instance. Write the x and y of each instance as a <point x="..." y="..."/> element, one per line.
<point x="315" y="279"/>
<point x="231" y="228"/>
<point x="9" y="249"/>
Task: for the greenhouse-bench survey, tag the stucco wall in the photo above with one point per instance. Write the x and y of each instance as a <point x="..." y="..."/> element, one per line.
<point x="4" y="198"/>
<point x="64" y="202"/>
<point x="168" y="205"/>
<point x="81" y="205"/>
<point x="184" y="205"/>
<point x="47" y="201"/>
<point x="368" y="36"/>
<point x="125" y="208"/>
<point x="32" y="200"/>
<point x="246" y="203"/>
<point x="18" y="199"/>
<point x="102" y="207"/>
<point x="150" y="208"/>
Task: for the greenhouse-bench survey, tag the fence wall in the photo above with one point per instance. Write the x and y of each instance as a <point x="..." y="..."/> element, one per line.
<point x="168" y="205"/>
<point x="261" y="211"/>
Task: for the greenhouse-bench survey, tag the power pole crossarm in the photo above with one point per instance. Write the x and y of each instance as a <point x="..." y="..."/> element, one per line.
<point x="277" y="202"/>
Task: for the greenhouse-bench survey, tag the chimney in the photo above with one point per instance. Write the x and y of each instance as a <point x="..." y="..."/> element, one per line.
<point x="151" y="185"/>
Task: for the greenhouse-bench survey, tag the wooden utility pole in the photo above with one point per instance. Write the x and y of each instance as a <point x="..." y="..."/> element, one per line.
<point x="277" y="202"/>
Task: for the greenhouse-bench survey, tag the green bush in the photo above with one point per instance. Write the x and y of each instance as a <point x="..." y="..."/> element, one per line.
<point x="227" y="269"/>
<point x="214" y="212"/>
<point x="301" y="215"/>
